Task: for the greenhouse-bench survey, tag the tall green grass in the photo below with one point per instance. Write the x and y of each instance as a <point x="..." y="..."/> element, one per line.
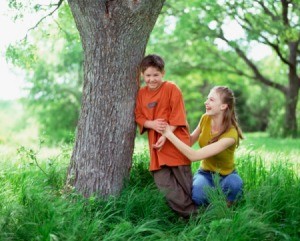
<point x="35" y="206"/>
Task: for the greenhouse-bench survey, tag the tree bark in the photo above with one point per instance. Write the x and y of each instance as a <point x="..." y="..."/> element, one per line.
<point x="291" y="128"/>
<point x="114" y="35"/>
<point x="290" y="123"/>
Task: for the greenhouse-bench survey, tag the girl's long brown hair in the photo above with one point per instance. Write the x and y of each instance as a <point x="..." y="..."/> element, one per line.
<point x="230" y="118"/>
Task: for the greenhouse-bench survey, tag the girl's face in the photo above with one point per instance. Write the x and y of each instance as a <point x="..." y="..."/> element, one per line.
<point x="153" y="78"/>
<point x="213" y="104"/>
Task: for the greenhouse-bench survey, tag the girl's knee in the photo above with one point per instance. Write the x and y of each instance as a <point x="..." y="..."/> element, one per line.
<point x="232" y="181"/>
<point x="199" y="189"/>
<point x="199" y="196"/>
<point x="232" y="187"/>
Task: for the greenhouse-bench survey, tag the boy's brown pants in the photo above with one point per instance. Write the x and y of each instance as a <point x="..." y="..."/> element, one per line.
<point x="176" y="184"/>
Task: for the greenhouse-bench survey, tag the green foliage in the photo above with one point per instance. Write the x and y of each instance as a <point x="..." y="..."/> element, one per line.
<point x="194" y="39"/>
<point x="188" y="35"/>
<point x="9" y="124"/>
<point x="52" y="59"/>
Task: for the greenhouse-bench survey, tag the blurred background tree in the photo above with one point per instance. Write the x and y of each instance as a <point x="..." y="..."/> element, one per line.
<point x="217" y="41"/>
<point x="52" y="56"/>
<point x="250" y="46"/>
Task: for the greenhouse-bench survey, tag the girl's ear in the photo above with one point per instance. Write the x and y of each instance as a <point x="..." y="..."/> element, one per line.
<point x="224" y="106"/>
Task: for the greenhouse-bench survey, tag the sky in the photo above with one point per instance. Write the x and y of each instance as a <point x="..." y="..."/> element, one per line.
<point x="9" y="81"/>
<point x="12" y="79"/>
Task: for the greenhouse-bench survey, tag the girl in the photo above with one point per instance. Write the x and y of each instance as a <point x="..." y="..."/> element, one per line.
<point x="218" y="134"/>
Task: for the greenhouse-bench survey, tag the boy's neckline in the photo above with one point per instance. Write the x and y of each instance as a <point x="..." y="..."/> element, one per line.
<point x="163" y="82"/>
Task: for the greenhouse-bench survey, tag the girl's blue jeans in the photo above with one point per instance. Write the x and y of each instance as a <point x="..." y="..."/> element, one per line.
<point x="230" y="184"/>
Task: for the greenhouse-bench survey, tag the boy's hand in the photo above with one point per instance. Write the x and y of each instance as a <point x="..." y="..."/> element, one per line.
<point x="158" y="125"/>
<point x="160" y="142"/>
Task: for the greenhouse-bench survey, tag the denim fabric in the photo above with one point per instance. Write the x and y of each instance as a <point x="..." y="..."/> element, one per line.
<point x="231" y="185"/>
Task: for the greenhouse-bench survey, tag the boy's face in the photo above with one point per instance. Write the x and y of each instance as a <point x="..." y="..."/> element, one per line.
<point x="153" y="77"/>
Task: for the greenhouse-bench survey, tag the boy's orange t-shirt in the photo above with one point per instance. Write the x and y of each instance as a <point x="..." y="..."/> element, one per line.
<point x="164" y="103"/>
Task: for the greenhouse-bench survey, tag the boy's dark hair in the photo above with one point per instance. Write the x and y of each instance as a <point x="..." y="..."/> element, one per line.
<point x="152" y="60"/>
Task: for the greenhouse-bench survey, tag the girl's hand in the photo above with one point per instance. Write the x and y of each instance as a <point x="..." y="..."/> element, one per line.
<point x="167" y="130"/>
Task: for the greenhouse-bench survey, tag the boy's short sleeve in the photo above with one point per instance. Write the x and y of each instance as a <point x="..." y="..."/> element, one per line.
<point x="139" y="116"/>
<point x="178" y="114"/>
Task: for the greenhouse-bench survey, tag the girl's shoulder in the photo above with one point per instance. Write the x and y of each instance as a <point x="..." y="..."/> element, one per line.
<point x="204" y="120"/>
<point x="232" y="132"/>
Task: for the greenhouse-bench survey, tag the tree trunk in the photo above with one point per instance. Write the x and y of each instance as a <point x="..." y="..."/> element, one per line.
<point x="114" y="35"/>
<point x="291" y="99"/>
<point x="290" y="128"/>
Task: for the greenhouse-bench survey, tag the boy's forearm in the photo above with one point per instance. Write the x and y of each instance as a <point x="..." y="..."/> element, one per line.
<point x="148" y="124"/>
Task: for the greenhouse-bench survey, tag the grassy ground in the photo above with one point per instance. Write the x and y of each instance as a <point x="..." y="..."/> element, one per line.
<point x="34" y="205"/>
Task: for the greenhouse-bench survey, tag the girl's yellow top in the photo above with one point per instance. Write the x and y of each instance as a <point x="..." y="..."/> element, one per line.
<point x="223" y="162"/>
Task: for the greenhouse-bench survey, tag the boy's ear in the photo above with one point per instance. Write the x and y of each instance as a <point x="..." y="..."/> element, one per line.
<point x="163" y="73"/>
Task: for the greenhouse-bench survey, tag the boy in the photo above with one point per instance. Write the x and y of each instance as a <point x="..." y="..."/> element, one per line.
<point x="159" y="102"/>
